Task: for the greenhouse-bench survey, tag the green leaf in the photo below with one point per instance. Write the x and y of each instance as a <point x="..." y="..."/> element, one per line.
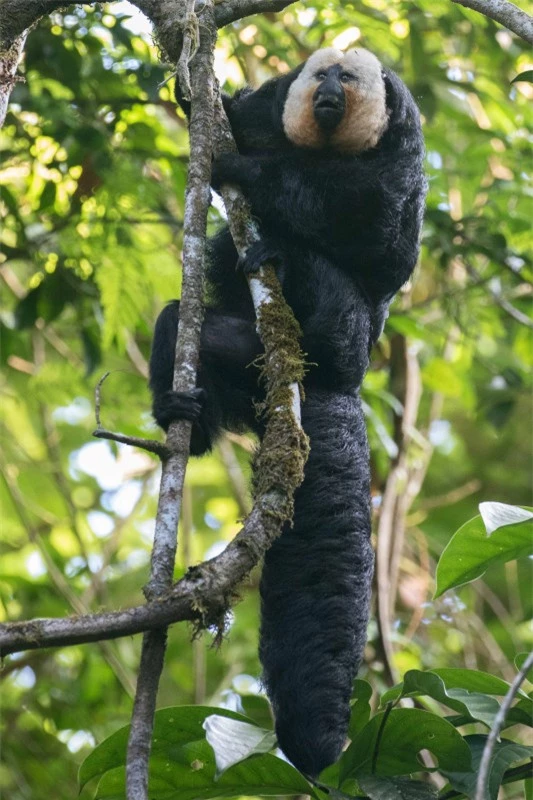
<point x="233" y="741"/>
<point x="472" y="549"/>
<point x="518" y="662"/>
<point x="405" y="733"/>
<point x="475" y="705"/>
<point x="182" y="764"/>
<point x="48" y="195"/>
<point x="440" y="376"/>
<point x="360" y="714"/>
<point x="256" y="708"/>
<point x="474" y="680"/>
<point x="520" y="714"/>
<point x="191" y="776"/>
<point x="397" y="789"/>
<point x="27" y="309"/>
<point x="175" y="726"/>
<point x="527" y="75"/>
<point x="498" y="515"/>
<point x="504" y="755"/>
<point x="92" y="354"/>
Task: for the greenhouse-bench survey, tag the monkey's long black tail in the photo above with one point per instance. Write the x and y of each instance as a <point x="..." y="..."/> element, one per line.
<point x="315" y="587"/>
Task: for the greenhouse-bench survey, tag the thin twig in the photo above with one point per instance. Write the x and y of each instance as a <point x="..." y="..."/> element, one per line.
<point x="486" y="759"/>
<point x="235" y="475"/>
<point x="188" y="50"/>
<point x="150" y="445"/>
<point x="98" y="398"/>
<point x="500" y="300"/>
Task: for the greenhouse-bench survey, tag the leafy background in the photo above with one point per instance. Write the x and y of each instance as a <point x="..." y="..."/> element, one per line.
<point x="93" y="165"/>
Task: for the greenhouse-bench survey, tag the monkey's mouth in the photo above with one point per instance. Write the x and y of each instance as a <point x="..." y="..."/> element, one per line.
<point x="328" y="112"/>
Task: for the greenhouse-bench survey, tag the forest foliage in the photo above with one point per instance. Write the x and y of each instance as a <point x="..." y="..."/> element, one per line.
<point x="93" y="162"/>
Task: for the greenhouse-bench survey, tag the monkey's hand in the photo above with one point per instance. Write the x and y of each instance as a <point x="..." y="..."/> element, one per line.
<point x="261" y="253"/>
<point x="172" y="406"/>
<point x="234" y="168"/>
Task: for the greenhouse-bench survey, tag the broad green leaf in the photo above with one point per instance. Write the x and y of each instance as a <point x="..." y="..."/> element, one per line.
<point x="173" y="728"/>
<point x="397" y="789"/>
<point x="471" y="550"/>
<point x="406" y="731"/>
<point x="506" y="753"/>
<point x="190" y="775"/>
<point x="498" y="515"/>
<point x="476" y="705"/>
<point x="256" y="708"/>
<point x="233" y="741"/>
<point x="182" y="764"/>
<point x="473" y="680"/>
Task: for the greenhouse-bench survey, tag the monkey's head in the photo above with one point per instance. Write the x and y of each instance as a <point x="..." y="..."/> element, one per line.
<point x="337" y="100"/>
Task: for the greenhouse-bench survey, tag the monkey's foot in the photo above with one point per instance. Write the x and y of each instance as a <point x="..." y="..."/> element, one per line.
<point x="172" y="406"/>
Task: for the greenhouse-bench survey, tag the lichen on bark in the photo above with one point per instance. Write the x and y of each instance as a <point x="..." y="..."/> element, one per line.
<point x="280" y="462"/>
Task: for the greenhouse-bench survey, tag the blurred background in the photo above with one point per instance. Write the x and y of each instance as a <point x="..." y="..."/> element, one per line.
<point x="93" y="161"/>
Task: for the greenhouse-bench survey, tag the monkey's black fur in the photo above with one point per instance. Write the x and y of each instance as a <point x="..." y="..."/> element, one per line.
<point x="344" y="232"/>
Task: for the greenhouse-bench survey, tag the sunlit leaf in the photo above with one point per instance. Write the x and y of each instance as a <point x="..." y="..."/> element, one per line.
<point x="233" y="740"/>
<point x="472" y="550"/>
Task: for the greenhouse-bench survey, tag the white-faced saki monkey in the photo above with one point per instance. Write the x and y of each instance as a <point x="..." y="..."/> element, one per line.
<point x="330" y="157"/>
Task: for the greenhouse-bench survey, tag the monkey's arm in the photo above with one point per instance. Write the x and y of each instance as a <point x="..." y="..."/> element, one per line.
<point x="364" y="213"/>
<point x="295" y="191"/>
<point x="228" y="345"/>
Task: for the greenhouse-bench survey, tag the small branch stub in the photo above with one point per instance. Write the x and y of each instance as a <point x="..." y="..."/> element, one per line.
<point x="189" y="48"/>
<point x="150" y="445"/>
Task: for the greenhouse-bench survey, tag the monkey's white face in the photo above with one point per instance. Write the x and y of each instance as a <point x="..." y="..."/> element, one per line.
<point x="337" y="101"/>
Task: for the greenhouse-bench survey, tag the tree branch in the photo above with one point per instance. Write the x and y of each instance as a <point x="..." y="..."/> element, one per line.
<point x="504" y="12"/>
<point x="9" y="61"/>
<point x="229" y="11"/>
<point x="150" y="445"/>
<point x="200" y="85"/>
<point x="500" y="300"/>
<point x="19" y="15"/>
<point x="206" y="593"/>
<point x="486" y="759"/>
<point x="201" y="596"/>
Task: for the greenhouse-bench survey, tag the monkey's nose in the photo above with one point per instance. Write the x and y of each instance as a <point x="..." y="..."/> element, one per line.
<point x="329" y="104"/>
<point x="329" y="100"/>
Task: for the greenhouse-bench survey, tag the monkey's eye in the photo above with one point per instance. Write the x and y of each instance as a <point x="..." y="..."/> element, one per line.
<point x="346" y="77"/>
<point x="321" y="75"/>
